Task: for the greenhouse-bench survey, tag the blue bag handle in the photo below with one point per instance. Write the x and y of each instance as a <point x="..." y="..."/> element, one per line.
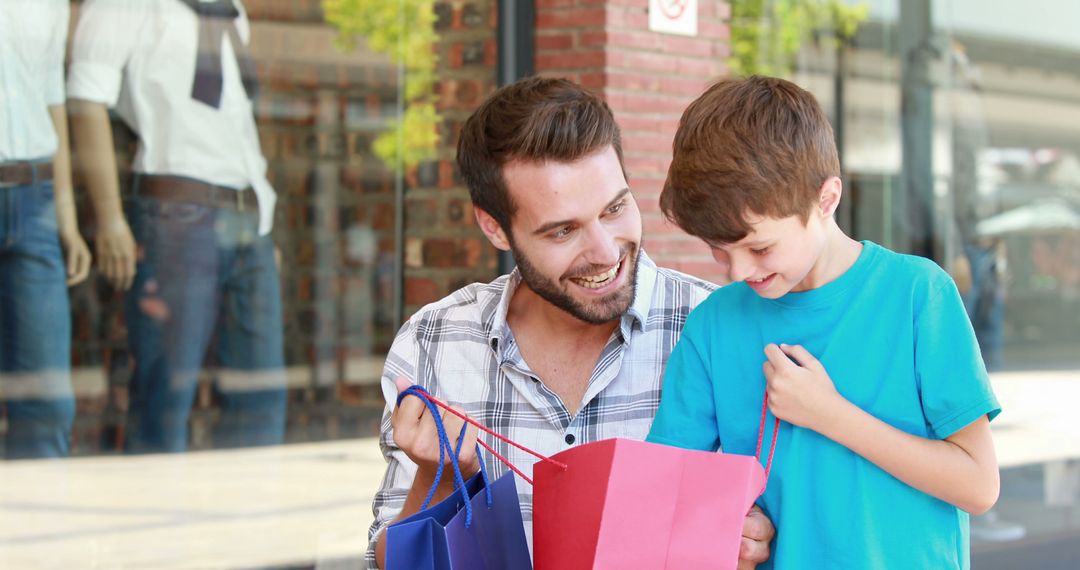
<point x="444" y="448"/>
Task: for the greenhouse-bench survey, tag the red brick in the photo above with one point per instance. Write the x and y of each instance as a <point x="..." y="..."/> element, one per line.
<point x="557" y="41"/>
<point x="687" y="46"/>
<point x="570" y="18"/>
<point x="421" y="291"/>
<point x="571" y="60"/>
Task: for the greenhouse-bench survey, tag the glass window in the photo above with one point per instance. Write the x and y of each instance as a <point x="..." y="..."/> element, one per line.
<point x="226" y="187"/>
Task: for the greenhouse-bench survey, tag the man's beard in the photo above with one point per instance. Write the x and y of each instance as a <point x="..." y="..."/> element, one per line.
<point x="601" y="311"/>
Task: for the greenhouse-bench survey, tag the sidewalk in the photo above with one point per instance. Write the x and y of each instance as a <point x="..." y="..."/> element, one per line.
<point x="309" y="505"/>
<point x="281" y="506"/>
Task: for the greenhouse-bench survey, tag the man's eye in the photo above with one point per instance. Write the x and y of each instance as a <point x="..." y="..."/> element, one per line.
<point x="561" y="233"/>
<point x="615" y="209"/>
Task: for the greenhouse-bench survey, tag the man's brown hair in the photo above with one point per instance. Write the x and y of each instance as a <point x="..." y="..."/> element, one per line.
<point x="536" y="119"/>
<point x="758" y="145"/>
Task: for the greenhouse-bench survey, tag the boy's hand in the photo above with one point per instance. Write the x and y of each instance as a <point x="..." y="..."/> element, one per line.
<point x="800" y="391"/>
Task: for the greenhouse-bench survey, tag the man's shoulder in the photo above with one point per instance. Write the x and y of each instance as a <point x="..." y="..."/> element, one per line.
<point x="474" y="302"/>
<point x="682" y="288"/>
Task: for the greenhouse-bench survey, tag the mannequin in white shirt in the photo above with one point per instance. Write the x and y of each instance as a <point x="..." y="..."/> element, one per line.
<point x="192" y="247"/>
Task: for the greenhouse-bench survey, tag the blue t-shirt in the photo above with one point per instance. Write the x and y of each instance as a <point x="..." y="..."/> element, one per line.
<point x="893" y="336"/>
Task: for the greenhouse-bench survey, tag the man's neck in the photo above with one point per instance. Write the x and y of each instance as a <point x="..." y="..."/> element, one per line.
<point x="560" y="349"/>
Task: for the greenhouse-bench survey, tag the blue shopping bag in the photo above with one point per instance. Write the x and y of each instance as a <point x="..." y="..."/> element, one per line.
<point x="478" y="527"/>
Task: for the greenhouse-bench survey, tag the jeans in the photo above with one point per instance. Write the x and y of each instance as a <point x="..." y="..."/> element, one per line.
<point x="35" y="325"/>
<point x="204" y="277"/>
<point x="985" y="302"/>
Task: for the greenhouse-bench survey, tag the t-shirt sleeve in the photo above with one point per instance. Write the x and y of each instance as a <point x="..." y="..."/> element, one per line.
<point x="105" y="39"/>
<point x="54" y="68"/>
<point x="953" y="383"/>
<point x="687" y="414"/>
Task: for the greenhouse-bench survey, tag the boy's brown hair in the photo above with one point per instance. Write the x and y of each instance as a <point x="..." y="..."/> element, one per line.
<point x="536" y="119"/>
<point x="758" y="145"/>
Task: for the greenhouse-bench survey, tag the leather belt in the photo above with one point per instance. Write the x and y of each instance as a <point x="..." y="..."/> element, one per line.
<point x="24" y="173"/>
<point x="189" y="190"/>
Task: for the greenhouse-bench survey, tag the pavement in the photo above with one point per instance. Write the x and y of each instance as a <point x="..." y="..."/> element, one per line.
<point x="308" y="505"/>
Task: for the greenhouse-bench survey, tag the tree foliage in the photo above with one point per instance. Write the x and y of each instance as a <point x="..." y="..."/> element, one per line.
<point x="767" y="34"/>
<point x="404" y="30"/>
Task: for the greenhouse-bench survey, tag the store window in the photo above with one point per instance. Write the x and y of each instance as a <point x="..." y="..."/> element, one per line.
<point x="249" y="199"/>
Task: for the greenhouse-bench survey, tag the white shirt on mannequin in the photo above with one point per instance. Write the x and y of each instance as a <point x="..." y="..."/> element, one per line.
<point x="139" y="56"/>
<point x="33" y="35"/>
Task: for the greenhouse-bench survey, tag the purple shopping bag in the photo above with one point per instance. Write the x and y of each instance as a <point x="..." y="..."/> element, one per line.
<point x="478" y="527"/>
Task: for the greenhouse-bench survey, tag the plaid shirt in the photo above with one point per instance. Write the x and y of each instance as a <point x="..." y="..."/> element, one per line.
<point x="462" y="350"/>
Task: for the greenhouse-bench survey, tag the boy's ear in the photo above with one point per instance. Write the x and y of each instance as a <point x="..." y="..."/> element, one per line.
<point x="829" y="196"/>
<point x="492" y="230"/>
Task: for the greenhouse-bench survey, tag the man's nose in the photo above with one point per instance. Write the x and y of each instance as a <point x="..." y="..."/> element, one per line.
<point x="603" y="247"/>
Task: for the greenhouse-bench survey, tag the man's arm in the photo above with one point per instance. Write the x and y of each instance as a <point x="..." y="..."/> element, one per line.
<point x="410" y="444"/>
<point x="76" y="254"/>
<point x="961" y="469"/>
<point x="92" y="134"/>
<point x="415" y="435"/>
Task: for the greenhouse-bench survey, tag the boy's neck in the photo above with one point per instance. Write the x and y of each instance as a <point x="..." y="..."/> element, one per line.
<point x="839" y="254"/>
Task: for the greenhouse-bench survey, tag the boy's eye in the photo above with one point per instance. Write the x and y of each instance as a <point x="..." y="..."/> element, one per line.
<point x="761" y="251"/>
<point x="616" y="208"/>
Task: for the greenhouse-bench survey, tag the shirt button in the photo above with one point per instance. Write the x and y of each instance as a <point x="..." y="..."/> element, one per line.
<point x="569" y="439"/>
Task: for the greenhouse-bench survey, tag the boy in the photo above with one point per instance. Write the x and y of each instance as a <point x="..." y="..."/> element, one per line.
<point x="868" y="354"/>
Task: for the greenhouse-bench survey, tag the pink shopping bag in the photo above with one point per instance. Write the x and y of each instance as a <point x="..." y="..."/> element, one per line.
<point x="622" y="504"/>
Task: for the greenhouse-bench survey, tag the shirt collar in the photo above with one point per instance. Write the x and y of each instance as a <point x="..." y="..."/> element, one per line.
<point x="497" y="303"/>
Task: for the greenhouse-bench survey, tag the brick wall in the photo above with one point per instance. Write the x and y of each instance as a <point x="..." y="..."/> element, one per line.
<point x="444" y="249"/>
<point x="648" y="78"/>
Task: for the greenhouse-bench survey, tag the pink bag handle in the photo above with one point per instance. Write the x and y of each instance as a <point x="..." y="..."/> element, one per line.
<point x="761" y="436"/>
<point x="505" y="461"/>
<point x="484" y="429"/>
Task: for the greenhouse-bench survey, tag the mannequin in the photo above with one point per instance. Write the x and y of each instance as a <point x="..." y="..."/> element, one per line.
<point x="41" y="250"/>
<point x="192" y="247"/>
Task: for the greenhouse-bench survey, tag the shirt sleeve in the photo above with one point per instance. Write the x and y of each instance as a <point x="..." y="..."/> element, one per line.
<point x="54" y="67"/>
<point x="687" y="414"/>
<point x="106" y="37"/>
<point x="953" y="383"/>
<point x="400" y="470"/>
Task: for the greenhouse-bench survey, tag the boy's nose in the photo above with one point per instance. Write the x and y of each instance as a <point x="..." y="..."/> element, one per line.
<point x="740" y="270"/>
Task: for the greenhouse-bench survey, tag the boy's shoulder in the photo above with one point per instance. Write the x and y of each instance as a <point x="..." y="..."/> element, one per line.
<point x="906" y="268"/>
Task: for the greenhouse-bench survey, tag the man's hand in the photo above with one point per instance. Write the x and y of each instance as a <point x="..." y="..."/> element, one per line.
<point x="757" y="533"/>
<point x="415" y="434"/>
<point x="77" y="256"/>
<point x="800" y="390"/>
<point x="116" y="252"/>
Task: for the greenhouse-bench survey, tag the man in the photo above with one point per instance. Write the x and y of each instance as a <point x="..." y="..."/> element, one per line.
<point x="40" y="244"/>
<point x="201" y="212"/>
<point x="570" y="347"/>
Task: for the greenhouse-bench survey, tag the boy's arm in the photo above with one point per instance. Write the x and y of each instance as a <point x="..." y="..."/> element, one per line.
<point x="960" y="469"/>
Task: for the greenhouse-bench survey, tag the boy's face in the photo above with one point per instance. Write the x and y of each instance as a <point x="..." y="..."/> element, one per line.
<point x="576" y="234"/>
<point x="778" y="256"/>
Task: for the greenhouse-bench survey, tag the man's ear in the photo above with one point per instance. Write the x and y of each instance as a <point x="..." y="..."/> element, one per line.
<point x="829" y="196"/>
<point x="492" y="230"/>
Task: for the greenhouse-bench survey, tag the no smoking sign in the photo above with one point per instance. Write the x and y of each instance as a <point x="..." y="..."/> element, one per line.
<point x="673" y="16"/>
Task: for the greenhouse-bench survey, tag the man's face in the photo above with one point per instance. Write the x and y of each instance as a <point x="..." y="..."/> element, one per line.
<point x="778" y="256"/>
<point x="576" y="234"/>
